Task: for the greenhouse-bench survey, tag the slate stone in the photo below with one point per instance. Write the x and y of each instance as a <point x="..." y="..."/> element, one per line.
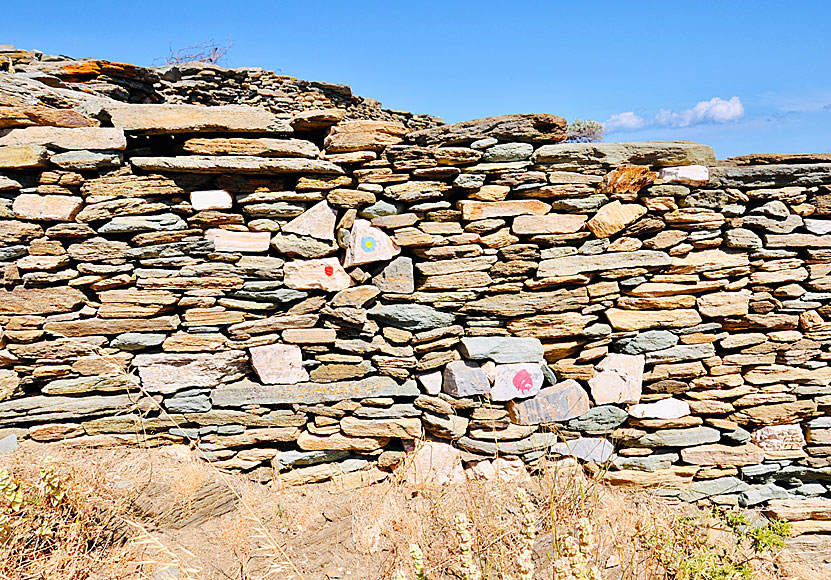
<point x="464" y="379"/>
<point x="12" y="252"/>
<point x="445" y="426"/>
<point x="571" y="265"/>
<point x="519" y="447"/>
<point x="680" y="353"/>
<point x="395" y="411"/>
<point x="594" y="449"/>
<point x="679" y="437"/>
<point x="502" y="349"/>
<point x="651" y="340"/>
<point x="397" y="277"/>
<point x="378" y="209"/>
<point x="167" y="373"/>
<point x="652" y="462"/>
<point x="701" y="489"/>
<point x="154" y="223"/>
<point x="761" y="494"/>
<point x="189" y="402"/>
<point x="100" y="383"/>
<point x="411" y="316"/>
<point x="131" y="341"/>
<point x="599" y="419"/>
<point x="738" y="437"/>
<point x="560" y="402"/>
<point x="250" y="393"/>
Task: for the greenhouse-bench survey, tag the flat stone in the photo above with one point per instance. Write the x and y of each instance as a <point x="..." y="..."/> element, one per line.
<point x="613" y="217"/>
<point x="236" y="164"/>
<point x="679" y="437"/>
<point x="706" y="260"/>
<point x="151" y="223"/>
<point x="465" y="379"/>
<point x="762" y="494"/>
<point x="702" y="489"/>
<point x="23" y="157"/>
<point x="248" y="393"/>
<point x="317" y="222"/>
<point x="368" y="244"/>
<point x="778" y="437"/>
<point x="8" y="444"/>
<point x="515" y="381"/>
<point x="557" y="403"/>
<point x="31" y="206"/>
<point x="323" y="274"/>
<point x="403" y="428"/>
<point x="292" y="458"/>
<point x="211" y="199"/>
<point x="676" y="477"/>
<point x="663" y="409"/>
<point x="167" y="373"/>
<point x="600" y="419"/>
<point x="594" y="449"/>
<point x="102" y="383"/>
<point x="362" y="135"/>
<point x="278" y="364"/>
<point x="412" y="191"/>
<point x="233" y="241"/>
<point x="536" y="442"/>
<point x="747" y="454"/>
<point x="578" y="264"/>
<point x="309" y="335"/>
<point x="28" y="115"/>
<point x="648" y="463"/>
<point x="445" y="426"/>
<point x="86" y="160"/>
<point x="137" y="340"/>
<point x="681" y="352"/>
<point x="577" y="156"/>
<point x="302" y="246"/>
<point x="22" y="301"/>
<point x="68" y="138"/>
<point x="168" y="118"/>
<point x="262" y="147"/>
<point x="648" y="341"/>
<point x="618" y="379"/>
<point x="791" y="510"/>
<point x="720" y="304"/>
<point x="548" y="224"/>
<point x="502" y="349"/>
<point x="529" y="128"/>
<point x="477" y="210"/>
<point x="397" y="277"/>
<point x="696" y="175"/>
<point x="309" y="442"/>
<point x="626" y="320"/>
<point x="504" y="152"/>
<point x="411" y="316"/>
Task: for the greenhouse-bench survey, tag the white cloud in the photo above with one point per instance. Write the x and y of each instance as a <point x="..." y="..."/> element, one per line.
<point x="714" y="111"/>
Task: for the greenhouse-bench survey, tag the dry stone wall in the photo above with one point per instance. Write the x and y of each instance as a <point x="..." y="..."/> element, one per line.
<point x="310" y="293"/>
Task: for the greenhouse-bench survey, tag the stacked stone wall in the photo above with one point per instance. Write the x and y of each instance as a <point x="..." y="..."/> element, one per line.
<point x="311" y="294"/>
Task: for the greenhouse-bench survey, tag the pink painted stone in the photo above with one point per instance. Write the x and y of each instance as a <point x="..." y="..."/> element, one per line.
<point x="322" y="274"/>
<point x="369" y="244"/>
<point x="516" y="381"/>
<point x="279" y="364"/>
<point x="663" y="409"/>
<point x="318" y="222"/>
<point x="779" y="437"/>
<point x="619" y="379"/>
<point x="213" y="199"/>
<point x="434" y="463"/>
<point x="231" y="241"/>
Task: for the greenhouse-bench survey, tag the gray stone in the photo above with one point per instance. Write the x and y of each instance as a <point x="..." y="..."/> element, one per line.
<point x="571" y="265"/>
<point x="649" y="341"/>
<point x="508" y="152"/>
<point x="594" y="449"/>
<point x="519" y="447"/>
<point x="102" y="383"/>
<point x="235" y="164"/>
<point x="577" y="156"/>
<point x="720" y="486"/>
<point x="8" y="444"/>
<point x="302" y="246"/>
<point x="516" y="381"/>
<point x="582" y="204"/>
<point x="464" y="379"/>
<point x="560" y="402"/>
<point x="397" y="277"/>
<point x="137" y="340"/>
<point x="469" y="180"/>
<point x="682" y="352"/>
<point x="45" y="409"/>
<point x="502" y="349"/>
<point x="599" y="419"/>
<point x="818" y="227"/>
<point x="292" y="458"/>
<point x="148" y="223"/>
<point x="650" y="463"/>
<point x="250" y="393"/>
<point x="808" y="174"/>
<point x="277" y="295"/>
<point x="189" y="402"/>
<point x="445" y="426"/>
<point x="742" y="238"/>
<point x="378" y="209"/>
<point x="12" y="252"/>
<point x="761" y="494"/>
<point x="86" y="160"/>
<point x="739" y="436"/>
<point x="679" y="437"/>
<point x="810" y="489"/>
<point x="759" y="470"/>
<point x="168" y="373"/>
<point x="395" y="411"/>
<point x="412" y="316"/>
<point x="353" y="464"/>
<point x="598" y="330"/>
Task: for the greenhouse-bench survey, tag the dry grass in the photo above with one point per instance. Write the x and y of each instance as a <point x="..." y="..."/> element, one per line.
<point x="332" y="531"/>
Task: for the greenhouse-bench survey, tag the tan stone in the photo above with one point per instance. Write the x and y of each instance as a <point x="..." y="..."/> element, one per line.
<point x="657" y="302"/>
<point x="96" y="326"/>
<point x="322" y="274"/>
<point x="672" y="289"/>
<point x="31" y="206"/>
<point x="647" y="319"/>
<point x="550" y="326"/>
<point x="548" y="224"/>
<point x="191" y="283"/>
<point x="40" y="300"/>
<point x="23" y="157"/>
<point x="318" y="222"/>
<point x="74" y="138"/>
<point x="360" y="135"/>
<point x="405" y="428"/>
<point x="799" y="509"/>
<point x="195" y="342"/>
<point x="724" y="304"/>
<point x="262" y="147"/>
<point x="778" y="437"/>
<point x="368" y="244"/>
<point x="716" y="454"/>
<point x="706" y="260"/>
<point x="29" y="115"/>
<point x="770" y="374"/>
<point x="231" y="241"/>
<point x="309" y="335"/>
<point x="613" y="217"/>
<point x="490" y="192"/>
<point x="776" y="414"/>
<point x="169" y="118"/>
<point x="309" y="442"/>
<point x="412" y="191"/>
<point x="15" y="232"/>
<point x="212" y="316"/>
<point x="678" y="477"/>
<point x="477" y="210"/>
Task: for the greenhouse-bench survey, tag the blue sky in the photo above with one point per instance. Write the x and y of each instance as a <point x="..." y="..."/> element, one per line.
<point x="741" y="76"/>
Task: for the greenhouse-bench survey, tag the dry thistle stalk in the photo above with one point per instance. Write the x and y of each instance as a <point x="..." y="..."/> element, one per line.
<point x="525" y="561"/>
<point x="418" y="561"/>
<point x="470" y="571"/>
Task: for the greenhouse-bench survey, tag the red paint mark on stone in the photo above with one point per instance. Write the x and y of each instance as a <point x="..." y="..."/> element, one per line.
<point x="523" y="381"/>
<point x="329" y="270"/>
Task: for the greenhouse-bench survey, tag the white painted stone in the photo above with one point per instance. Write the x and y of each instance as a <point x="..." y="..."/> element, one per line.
<point x="369" y="244"/>
<point x="618" y="380"/>
<point x="779" y="437"/>
<point x="663" y="409"/>
<point x="318" y="222"/>
<point x="431" y="382"/>
<point x="231" y="241"/>
<point x="211" y="199"/>
<point x="516" y="381"/>
<point x="322" y="274"/>
<point x="278" y="364"/>
<point x="687" y="174"/>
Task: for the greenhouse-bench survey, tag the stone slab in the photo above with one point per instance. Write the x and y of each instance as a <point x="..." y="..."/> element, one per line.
<point x="557" y="403"/>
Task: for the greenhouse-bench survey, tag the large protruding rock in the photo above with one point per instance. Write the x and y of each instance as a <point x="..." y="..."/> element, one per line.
<point x="578" y="156"/>
<point x="560" y="402"/>
<point x="529" y="128"/>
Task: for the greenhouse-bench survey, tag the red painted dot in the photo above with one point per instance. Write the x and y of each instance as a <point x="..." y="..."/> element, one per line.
<point x="523" y="381"/>
<point x="329" y="270"/>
